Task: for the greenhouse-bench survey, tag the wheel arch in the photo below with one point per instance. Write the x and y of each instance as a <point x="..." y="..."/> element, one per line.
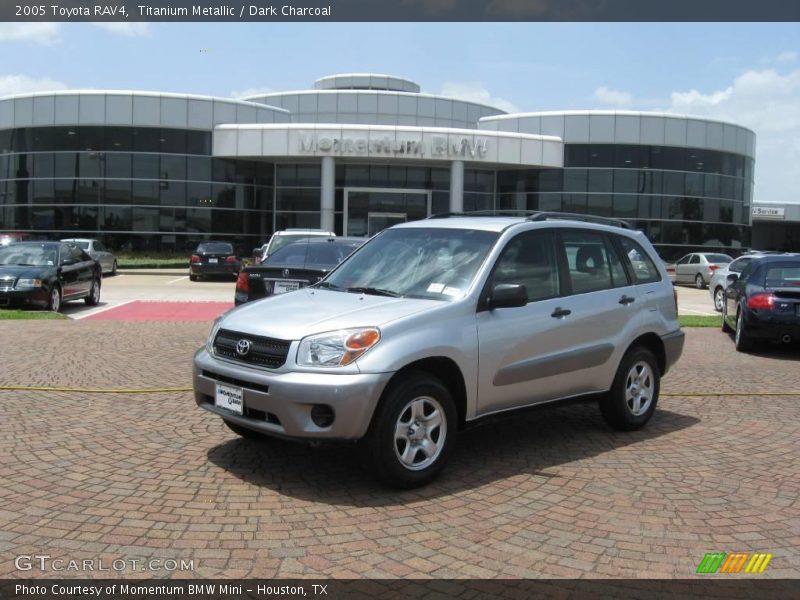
<point x="652" y="342"/>
<point x="442" y="368"/>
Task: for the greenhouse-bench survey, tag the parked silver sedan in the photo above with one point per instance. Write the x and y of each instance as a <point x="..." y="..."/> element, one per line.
<point x="97" y="250"/>
<point x="698" y="267"/>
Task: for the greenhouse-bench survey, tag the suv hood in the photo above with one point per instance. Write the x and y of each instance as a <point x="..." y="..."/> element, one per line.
<point x="307" y="311"/>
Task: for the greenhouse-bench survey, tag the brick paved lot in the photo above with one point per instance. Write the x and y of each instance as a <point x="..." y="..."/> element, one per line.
<point x="554" y="493"/>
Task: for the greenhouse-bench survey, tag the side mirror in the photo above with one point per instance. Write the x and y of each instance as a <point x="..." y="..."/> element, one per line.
<point x="507" y="295"/>
<point x="732" y="278"/>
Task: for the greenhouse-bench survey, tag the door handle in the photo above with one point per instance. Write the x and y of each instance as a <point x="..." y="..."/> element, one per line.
<point x="626" y="300"/>
<point x="560" y="312"/>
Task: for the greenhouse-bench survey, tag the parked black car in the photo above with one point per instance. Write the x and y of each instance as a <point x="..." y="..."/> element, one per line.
<point x="296" y="265"/>
<point x="46" y="274"/>
<point x="214" y="258"/>
<point x="763" y="303"/>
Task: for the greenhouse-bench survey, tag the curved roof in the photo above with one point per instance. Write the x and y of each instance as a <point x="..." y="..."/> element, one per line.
<point x="366" y="81"/>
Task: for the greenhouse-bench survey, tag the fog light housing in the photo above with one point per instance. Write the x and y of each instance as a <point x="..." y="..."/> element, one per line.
<point x="322" y="415"/>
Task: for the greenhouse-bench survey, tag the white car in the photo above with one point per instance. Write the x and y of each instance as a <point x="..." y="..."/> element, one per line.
<point x="97" y="251"/>
<point x="280" y="238"/>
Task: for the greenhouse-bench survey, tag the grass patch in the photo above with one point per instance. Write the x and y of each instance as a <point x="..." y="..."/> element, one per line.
<point x="700" y="321"/>
<point x="40" y="315"/>
<point x="152" y="263"/>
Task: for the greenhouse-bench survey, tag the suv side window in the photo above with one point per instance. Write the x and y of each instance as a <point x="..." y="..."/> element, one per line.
<point x="530" y="259"/>
<point x="746" y="272"/>
<point x="642" y="267"/>
<point x="588" y="261"/>
<point x="739" y="264"/>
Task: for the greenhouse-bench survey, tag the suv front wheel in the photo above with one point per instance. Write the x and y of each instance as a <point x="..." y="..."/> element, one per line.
<point x="412" y="433"/>
<point x="633" y="396"/>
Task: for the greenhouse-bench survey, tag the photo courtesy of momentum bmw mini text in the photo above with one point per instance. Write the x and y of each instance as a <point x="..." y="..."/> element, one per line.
<point x="371" y="299"/>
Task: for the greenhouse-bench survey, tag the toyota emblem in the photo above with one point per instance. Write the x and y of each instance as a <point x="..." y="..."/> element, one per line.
<point x="243" y="347"/>
<point x="285" y="273"/>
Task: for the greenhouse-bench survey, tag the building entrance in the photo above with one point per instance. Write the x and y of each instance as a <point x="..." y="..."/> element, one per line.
<point x="370" y="210"/>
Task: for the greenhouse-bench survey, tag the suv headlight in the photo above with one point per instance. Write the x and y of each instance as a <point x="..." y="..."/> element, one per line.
<point x="214" y="329"/>
<point x="28" y="283"/>
<point x="336" y="348"/>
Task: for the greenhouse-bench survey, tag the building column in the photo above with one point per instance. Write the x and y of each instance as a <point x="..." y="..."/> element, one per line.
<point x="327" y="193"/>
<point x="457" y="186"/>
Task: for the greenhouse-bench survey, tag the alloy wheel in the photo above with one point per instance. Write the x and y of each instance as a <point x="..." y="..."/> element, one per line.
<point x="420" y="433"/>
<point x="639" y="388"/>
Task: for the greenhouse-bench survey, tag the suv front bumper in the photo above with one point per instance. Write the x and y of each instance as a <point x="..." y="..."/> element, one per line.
<point x="280" y="404"/>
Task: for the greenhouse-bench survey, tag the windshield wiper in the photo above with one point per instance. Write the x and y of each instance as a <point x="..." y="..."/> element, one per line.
<point x="327" y="285"/>
<point x="373" y="291"/>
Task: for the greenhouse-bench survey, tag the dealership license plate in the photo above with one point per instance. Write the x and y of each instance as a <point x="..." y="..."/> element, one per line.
<point x="281" y="287"/>
<point x="212" y="261"/>
<point x="230" y="398"/>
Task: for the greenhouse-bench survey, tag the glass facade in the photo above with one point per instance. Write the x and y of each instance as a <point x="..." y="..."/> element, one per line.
<point x="682" y="198"/>
<point x="135" y="187"/>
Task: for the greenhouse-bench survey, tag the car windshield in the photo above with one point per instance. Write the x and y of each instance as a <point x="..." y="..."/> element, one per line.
<point x="216" y="248"/>
<point x="430" y="263"/>
<point x="718" y="258"/>
<point x="23" y="254"/>
<point x="783" y="275"/>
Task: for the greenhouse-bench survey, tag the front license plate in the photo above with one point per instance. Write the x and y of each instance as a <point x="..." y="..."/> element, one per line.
<point x="212" y="261"/>
<point x="281" y="287"/>
<point x="230" y="398"/>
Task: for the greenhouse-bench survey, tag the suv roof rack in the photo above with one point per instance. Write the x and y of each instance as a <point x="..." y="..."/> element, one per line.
<point x="534" y="215"/>
<point x="545" y="215"/>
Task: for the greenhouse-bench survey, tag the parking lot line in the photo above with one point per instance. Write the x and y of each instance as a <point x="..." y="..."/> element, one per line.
<point x="178" y="279"/>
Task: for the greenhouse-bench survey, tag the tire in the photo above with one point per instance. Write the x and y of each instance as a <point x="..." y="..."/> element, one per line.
<point x="114" y="269"/>
<point x="54" y="304"/>
<point x="412" y="433"/>
<point x="699" y="283"/>
<point x="725" y="327"/>
<point x="192" y="277"/>
<point x="744" y="343"/>
<point x="93" y="299"/>
<point x="246" y="433"/>
<point x="719" y="299"/>
<point x="633" y="396"/>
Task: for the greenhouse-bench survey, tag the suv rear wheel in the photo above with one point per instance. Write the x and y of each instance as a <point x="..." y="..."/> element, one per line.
<point x="633" y="396"/>
<point x="412" y="433"/>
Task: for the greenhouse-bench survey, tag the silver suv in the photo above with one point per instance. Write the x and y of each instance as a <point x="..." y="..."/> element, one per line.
<point x="435" y="324"/>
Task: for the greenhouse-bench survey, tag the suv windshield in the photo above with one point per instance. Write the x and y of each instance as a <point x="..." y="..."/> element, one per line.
<point x="420" y="263"/>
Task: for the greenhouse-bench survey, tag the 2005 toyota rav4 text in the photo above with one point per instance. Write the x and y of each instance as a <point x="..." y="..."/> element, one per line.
<point x="436" y="323"/>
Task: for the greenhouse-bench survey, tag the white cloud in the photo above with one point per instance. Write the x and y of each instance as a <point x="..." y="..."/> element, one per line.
<point x="787" y="57"/>
<point x="615" y="98"/>
<point x="137" y="29"/>
<point x="253" y="91"/>
<point x="476" y="92"/>
<point x="768" y="102"/>
<point x="20" y="84"/>
<point x="35" y="33"/>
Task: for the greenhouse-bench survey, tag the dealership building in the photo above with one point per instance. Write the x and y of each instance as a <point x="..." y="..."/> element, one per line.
<point x="355" y="154"/>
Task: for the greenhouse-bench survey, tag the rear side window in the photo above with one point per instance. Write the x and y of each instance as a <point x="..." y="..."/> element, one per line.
<point x="530" y="260"/>
<point x="783" y="275"/>
<point x="643" y="269"/>
<point x="695" y="260"/>
<point x="739" y="264"/>
<point x="590" y="262"/>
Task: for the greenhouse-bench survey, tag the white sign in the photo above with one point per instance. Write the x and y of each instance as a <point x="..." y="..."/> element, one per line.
<point x="769" y="213"/>
<point x="463" y="148"/>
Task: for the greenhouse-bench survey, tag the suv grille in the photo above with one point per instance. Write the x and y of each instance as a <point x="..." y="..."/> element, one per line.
<point x="264" y="351"/>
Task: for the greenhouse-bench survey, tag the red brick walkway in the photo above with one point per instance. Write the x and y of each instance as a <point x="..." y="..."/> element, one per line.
<point x="140" y="310"/>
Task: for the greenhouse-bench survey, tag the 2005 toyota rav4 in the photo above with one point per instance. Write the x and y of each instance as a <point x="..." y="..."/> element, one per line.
<point x="436" y="323"/>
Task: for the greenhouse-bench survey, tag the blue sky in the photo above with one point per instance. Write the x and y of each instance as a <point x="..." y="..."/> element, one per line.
<point x="748" y="73"/>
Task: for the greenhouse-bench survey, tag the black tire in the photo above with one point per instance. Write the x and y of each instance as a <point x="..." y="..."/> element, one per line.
<point x="192" y="277"/>
<point x="114" y="269"/>
<point x="246" y="433"/>
<point x="725" y="327"/>
<point x="382" y="450"/>
<point x="54" y="304"/>
<point x="93" y="299"/>
<point x="619" y="405"/>
<point x="743" y="342"/>
<point x="699" y="283"/>
<point x="719" y="299"/>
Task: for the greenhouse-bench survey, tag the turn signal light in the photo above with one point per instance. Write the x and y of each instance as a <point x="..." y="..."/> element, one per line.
<point x="761" y="302"/>
<point x="195" y="258"/>
<point x="243" y="283"/>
